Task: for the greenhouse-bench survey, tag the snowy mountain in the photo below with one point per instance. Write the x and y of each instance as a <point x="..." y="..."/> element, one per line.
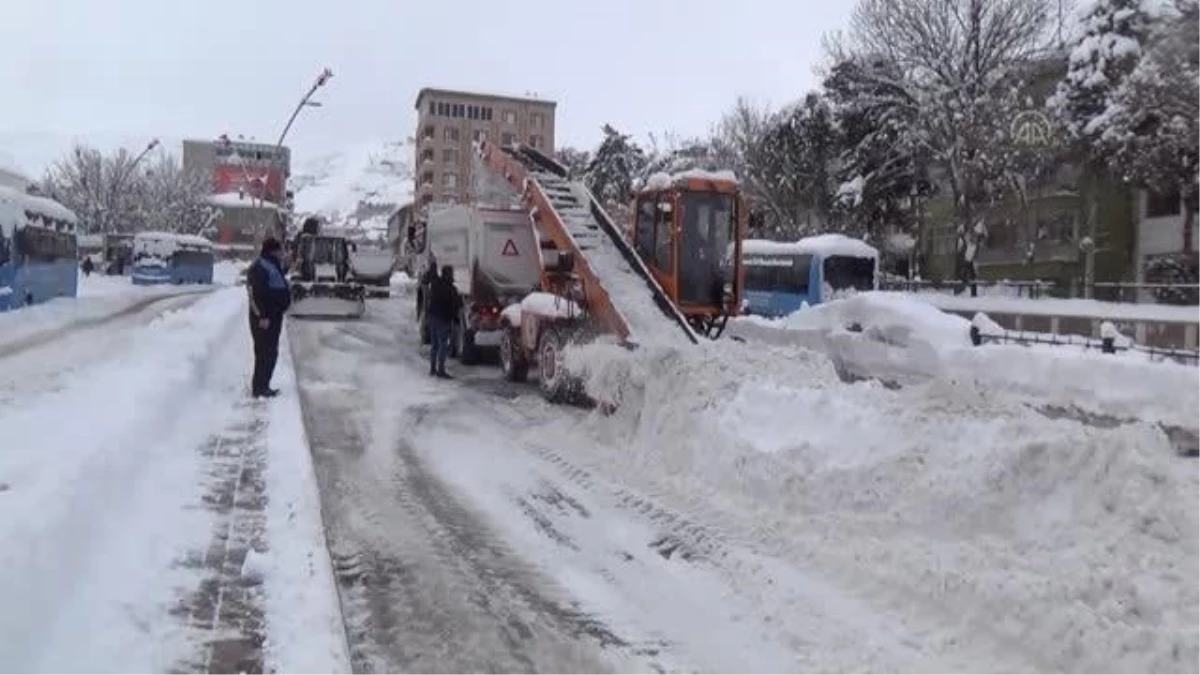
<point x="358" y="187"/>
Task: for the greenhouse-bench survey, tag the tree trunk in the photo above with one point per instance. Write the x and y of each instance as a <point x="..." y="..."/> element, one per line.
<point x="1189" y="219"/>
<point x="1089" y="260"/>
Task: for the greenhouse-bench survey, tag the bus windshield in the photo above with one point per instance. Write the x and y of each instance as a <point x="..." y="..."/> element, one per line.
<point x="847" y="273"/>
<point x="777" y="273"/>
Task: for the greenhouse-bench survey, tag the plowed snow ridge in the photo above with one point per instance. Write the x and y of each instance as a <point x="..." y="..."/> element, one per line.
<point x="1074" y="544"/>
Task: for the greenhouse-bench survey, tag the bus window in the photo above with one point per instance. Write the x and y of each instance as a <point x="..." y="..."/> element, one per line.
<point x="782" y="274"/>
<point x="844" y="273"/>
<point x="795" y="278"/>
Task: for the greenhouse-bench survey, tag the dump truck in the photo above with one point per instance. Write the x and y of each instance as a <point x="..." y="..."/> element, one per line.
<point x="320" y="276"/>
<point x="494" y="254"/>
<point x="373" y="269"/>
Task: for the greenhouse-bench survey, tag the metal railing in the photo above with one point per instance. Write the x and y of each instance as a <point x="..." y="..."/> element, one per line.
<point x="1105" y="345"/>
<point x="1119" y="291"/>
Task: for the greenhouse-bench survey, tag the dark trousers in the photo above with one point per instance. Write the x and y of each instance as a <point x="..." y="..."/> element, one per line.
<point x="266" y="352"/>
<point x="439" y="343"/>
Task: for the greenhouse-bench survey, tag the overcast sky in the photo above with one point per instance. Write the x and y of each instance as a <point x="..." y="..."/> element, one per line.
<point x="120" y="71"/>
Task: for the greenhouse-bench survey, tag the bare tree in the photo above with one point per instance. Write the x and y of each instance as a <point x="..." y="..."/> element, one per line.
<point x="957" y="59"/>
<point x="110" y="194"/>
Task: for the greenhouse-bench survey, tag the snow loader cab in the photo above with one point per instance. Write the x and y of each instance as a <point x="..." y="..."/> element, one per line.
<point x="321" y="283"/>
<point x="688" y="229"/>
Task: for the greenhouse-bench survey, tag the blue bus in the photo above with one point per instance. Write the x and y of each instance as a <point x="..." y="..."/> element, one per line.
<point x="37" y="250"/>
<point x="783" y="277"/>
<point x="169" y="258"/>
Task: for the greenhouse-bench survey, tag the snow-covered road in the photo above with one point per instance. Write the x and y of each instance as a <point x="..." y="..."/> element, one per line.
<point x="472" y="524"/>
<point x="745" y="509"/>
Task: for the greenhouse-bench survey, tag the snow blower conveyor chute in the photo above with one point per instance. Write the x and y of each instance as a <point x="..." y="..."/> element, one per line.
<point x="321" y="287"/>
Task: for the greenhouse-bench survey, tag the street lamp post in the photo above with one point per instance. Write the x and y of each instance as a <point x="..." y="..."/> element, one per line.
<point x="305" y="102"/>
<point x="125" y="175"/>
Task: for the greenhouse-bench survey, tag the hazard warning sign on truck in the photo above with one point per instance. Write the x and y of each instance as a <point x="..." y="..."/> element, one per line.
<point x="510" y="248"/>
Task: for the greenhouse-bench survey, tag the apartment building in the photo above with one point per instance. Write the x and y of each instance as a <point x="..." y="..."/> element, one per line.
<point x="448" y="122"/>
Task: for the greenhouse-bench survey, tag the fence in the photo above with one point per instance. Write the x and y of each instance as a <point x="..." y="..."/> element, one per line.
<point x="1107" y="291"/>
<point x="1111" y="343"/>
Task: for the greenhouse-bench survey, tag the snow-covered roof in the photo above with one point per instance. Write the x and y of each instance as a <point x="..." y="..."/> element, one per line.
<point x="19" y="204"/>
<point x="170" y="240"/>
<point x="238" y="200"/>
<point x="822" y="244"/>
<point x="662" y="180"/>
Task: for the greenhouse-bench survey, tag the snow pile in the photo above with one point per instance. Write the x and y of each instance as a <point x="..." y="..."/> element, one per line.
<point x="662" y="180"/>
<point x="1077" y="543"/>
<point x="542" y="304"/>
<point x="900" y="338"/>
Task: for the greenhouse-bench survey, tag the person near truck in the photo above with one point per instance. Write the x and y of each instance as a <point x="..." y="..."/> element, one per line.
<point x="270" y="297"/>
<point x="444" y="303"/>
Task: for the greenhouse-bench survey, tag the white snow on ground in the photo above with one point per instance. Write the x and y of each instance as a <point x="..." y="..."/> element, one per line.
<point x="1077" y="307"/>
<point x="906" y="339"/>
<point x="96" y="514"/>
<point x="305" y="633"/>
<point x="1073" y="547"/>
<point x="100" y="484"/>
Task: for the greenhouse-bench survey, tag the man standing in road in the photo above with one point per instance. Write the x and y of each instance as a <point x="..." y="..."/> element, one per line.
<point x="270" y="297"/>
<point x="444" y="303"/>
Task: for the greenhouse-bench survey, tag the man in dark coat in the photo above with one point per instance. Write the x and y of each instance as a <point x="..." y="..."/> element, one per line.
<point x="444" y="303"/>
<point x="270" y="297"/>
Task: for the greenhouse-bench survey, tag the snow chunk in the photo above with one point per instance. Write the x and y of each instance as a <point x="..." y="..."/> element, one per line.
<point x="550" y="305"/>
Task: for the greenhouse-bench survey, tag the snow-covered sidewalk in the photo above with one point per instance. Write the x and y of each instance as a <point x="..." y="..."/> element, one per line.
<point x="129" y="497"/>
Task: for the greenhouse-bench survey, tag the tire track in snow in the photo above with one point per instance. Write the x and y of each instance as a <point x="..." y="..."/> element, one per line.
<point x="71" y="349"/>
<point x="424" y="584"/>
<point x="49" y="337"/>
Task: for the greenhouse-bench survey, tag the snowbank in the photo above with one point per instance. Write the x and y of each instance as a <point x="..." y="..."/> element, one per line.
<point x="1078" y="544"/>
<point x="91" y="477"/>
<point x="907" y="340"/>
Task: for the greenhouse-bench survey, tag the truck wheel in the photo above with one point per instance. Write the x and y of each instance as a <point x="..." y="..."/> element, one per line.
<point x="552" y="376"/>
<point x="468" y="353"/>
<point x="512" y="360"/>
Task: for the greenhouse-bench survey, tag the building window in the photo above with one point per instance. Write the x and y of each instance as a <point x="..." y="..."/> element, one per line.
<point x="535" y="141"/>
<point x="506" y="138"/>
<point x="1162" y="205"/>
<point x="432" y="108"/>
<point x="429" y="131"/>
<point x="450" y="156"/>
<point x="460" y="110"/>
<point x="427" y="178"/>
<point x="450" y="181"/>
<point x="510" y="117"/>
<point x="479" y="135"/>
<point x="487" y="114"/>
<point x="536" y="120"/>
<point x="443" y="110"/>
<point x="427" y="155"/>
<point x="451" y="135"/>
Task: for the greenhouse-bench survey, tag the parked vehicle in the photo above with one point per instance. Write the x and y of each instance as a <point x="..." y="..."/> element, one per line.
<point x="783" y="277"/>
<point x="170" y="258"/>
<point x="38" y="257"/>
